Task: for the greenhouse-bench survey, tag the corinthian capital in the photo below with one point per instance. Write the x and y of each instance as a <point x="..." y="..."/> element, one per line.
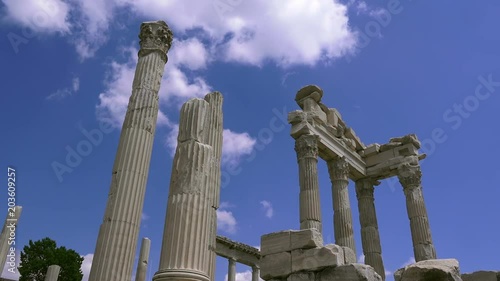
<point x="409" y="175"/>
<point x="365" y="187"/>
<point x="155" y="36"/>
<point x="338" y="169"/>
<point x="307" y="146"/>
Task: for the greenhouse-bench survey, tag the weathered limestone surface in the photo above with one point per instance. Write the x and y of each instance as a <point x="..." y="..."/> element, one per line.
<point x="306" y="147"/>
<point x="410" y="178"/>
<point x="349" y="255"/>
<point x="189" y="238"/>
<point x="317" y="258"/>
<point x="117" y="241"/>
<point x="342" y="216"/>
<point x="302" y="276"/>
<point x="276" y="265"/>
<point x="142" y="264"/>
<point x="255" y="273"/>
<point x="243" y="253"/>
<point x="288" y="240"/>
<point x="10" y="223"/>
<point x="435" y="270"/>
<point x="350" y="272"/>
<point x="482" y="276"/>
<point x="370" y="237"/>
<point x="52" y="273"/>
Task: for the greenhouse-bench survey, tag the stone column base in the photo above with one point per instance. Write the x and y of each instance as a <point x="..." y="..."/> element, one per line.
<point x="180" y="275"/>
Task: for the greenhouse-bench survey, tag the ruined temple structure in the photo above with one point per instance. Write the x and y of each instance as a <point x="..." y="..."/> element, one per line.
<point x="190" y="243"/>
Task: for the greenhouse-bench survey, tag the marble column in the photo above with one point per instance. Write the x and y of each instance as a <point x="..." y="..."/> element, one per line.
<point x="213" y="137"/>
<point x="410" y="177"/>
<point x="338" y="169"/>
<point x="306" y="147"/>
<point x="231" y="271"/>
<point x="255" y="273"/>
<point x="117" y="241"/>
<point x="13" y="215"/>
<point x="142" y="264"/>
<point x="52" y="273"/>
<point x="186" y="251"/>
<point x="370" y="237"/>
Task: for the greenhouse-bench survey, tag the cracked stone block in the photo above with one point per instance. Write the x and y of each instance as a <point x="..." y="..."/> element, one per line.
<point x="349" y="255"/>
<point x="276" y="266"/>
<point x="305" y="239"/>
<point x="481" y="276"/>
<point x="275" y="242"/>
<point x="349" y="272"/>
<point x="302" y="276"/>
<point x="435" y="270"/>
<point x="317" y="258"/>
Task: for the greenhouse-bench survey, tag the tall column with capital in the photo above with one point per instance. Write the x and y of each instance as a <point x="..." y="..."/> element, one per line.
<point x="142" y="264"/>
<point x="188" y="231"/>
<point x="306" y="147"/>
<point x="338" y="169"/>
<point x="370" y="237"/>
<point x="410" y="177"/>
<point x="117" y="241"/>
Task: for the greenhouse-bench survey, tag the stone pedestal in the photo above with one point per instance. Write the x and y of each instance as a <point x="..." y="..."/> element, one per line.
<point x="306" y="147"/>
<point x="189" y="223"/>
<point x="342" y="215"/>
<point x="410" y="178"/>
<point x="52" y="273"/>
<point x="142" y="264"/>
<point x="370" y="237"/>
<point x="117" y="241"/>
<point x="10" y="224"/>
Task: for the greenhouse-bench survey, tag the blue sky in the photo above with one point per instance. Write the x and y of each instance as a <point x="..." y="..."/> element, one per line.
<point x="390" y="67"/>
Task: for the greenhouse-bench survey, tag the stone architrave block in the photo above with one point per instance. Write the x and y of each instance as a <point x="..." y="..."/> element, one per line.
<point x="349" y="255"/>
<point x="435" y="270"/>
<point x="302" y="276"/>
<point x="349" y="272"/>
<point x="481" y="276"/>
<point x="379" y="158"/>
<point x="317" y="258"/>
<point x="372" y="149"/>
<point x="276" y="266"/>
<point x="305" y="239"/>
<point x="275" y="242"/>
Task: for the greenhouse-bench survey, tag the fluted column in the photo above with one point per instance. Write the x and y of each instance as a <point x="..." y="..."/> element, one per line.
<point x="370" y="237"/>
<point x="255" y="273"/>
<point x="52" y="273"/>
<point x="338" y="169"/>
<point x="9" y="226"/>
<point x="410" y="177"/>
<point x="306" y="147"/>
<point x="185" y="253"/>
<point x="213" y="137"/>
<point x="142" y="264"/>
<point x="117" y="241"/>
<point x="231" y="271"/>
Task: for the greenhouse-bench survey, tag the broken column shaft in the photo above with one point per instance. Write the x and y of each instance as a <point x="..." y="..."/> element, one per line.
<point x="370" y="237"/>
<point x="306" y="147"/>
<point x="338" y="169"/>
<point x="52" y="273"/>
<point x="142" y="264"/>
<point x="410" y="177"/>
<point x="117" y="241"/>
<point x="189" y="223"/>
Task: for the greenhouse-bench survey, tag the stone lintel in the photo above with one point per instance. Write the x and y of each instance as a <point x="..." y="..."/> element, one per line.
<point x="242" y="253"/>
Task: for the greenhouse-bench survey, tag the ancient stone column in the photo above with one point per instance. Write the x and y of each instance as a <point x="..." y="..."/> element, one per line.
<point x="10" y="225"/>
<point x="255" y="273"/>
<point x="142" y="264"/>
<point x="117" y="241"/>
<point x="185" y="253"/>
<point x="213" y="137"/>
<point x="410" y="177"/>
<point x="231" y="271"/>
<point x="370" y="237"/>
<point x="52" y="273"/>
<point x="306" y="147"/>
<point x="342" y="216"/>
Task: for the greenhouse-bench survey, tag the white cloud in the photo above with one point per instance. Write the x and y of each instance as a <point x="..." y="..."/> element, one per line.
<point x="86" y="265"/>
<point x="361" y="258"/>
<point x="235" y="145"/>
<point x="243" y="276"/>
<point x="411" y="260"/>
<point x="66" y="92"/>
<point x="40" y="15"/>
<point x="226" y="221"/>
<point x="268" y="208"/>
<point x="144" y="216"/>
<point x="225" y="205"/>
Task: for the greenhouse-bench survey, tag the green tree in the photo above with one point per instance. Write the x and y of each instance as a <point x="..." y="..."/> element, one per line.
<point x="36" y="258"/>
